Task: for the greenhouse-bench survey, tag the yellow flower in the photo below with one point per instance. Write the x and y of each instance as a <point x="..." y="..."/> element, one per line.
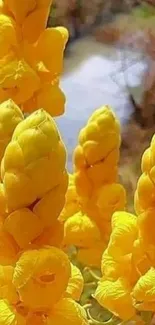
<point x="144" y="291"/>
<point x="75" y="284"/>
<point x="24" y="226"/>
<point x="113" y="268"/>
<point x="10" y="116"/>
<point x="67" y="312"/>
<point x="41" y="277"/>
<point x="18" y="80"/>
<point x="81" y="231"/>
<point x="124" y="233"/>
<point x="50" y="206"/>
<point x="140" y="258"/>
<point x="145" y="194"/>
<point x="102" y="127"/>
<point x="35" y="146"/>
<point x="110" y="198"/>
<point x="52" y="236"/>
<point x="7" y="289"/>
<point x="115" y="296"/>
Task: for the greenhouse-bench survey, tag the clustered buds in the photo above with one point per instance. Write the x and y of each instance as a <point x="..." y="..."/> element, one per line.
<point x="94" y="192"/>
<point x="38" y="284"/>
<point x="127" y="287"/>
<point x="31" y="56"/>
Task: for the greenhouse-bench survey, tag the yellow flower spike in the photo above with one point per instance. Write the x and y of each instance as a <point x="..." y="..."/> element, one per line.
<point x="41" y="277"/>
<point x="67" y="312"/>
<point x="124" y="233"/>
<point x="3" y="201"/>
<point x="52" y="236"/>
<point x="102" y="127"/>
<point x="50" y="206"/>
<point x="18" y="80"/>
<point x="26" y="221"/>
<point x="75" y="284"/>
<point x="91" y="256"/>
<point x="115" y="296"/>
<point x="72" y="205"/>
<point x="10" y="116"/>
<point x="144" y="291"/>
<point x="81" y="231"/>
<point x="7" y="289"/>
<point x="9" y="315"/>
<point x="39" y="147"/>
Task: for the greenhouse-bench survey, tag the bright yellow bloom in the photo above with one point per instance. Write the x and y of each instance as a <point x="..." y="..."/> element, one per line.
<point x="26" y="221"/>
<point x="75" y="284"/>
<point x="144" y="291"/>
<point x="9" y="35"/>
<point x="35" y="146"/>
<point x="124" y="233"/>
<point x="41" y="277"/>
<point x="52" y="236"/>
<point x="10" y="116"/>
<point x="81" y="231"/>
<point x="67" y="312"/>
<point x="146" y="229"/>
<point x="18" y="80"/>
<point x="140" y="258"/>
<point x="116" y="297"/>
<point x="102" y="127"/>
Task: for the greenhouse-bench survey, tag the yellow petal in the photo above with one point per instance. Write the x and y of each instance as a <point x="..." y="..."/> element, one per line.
<point x="75" y="284"/>
<point x="9" y="315"/>
<point x="144" y="290"/>
<point x="115" y="296"/>
<point x="52" y="236"/>
<point x="7" y="289"/>
<point x="67" y="312"/>
<point x="26" y="221"/>
<point x="10" y="116"/>
<point x="123" y="235"/>
<point x="8" y="34"/>
<point x="81" y="231"/>
<point x="52" y="99"/>
<point x="8" y="248"/>
<point x="20" y="12"/>
<point x="41" y="277"/>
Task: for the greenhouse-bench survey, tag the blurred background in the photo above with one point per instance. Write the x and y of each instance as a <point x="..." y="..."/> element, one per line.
<point x="109" y="59"/>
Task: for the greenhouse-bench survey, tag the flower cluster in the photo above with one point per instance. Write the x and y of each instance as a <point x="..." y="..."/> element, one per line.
<point x="38" y="284"/>
<point x="127" y="287"/>
<point x="94" y="193"/>
<point x="31" y="56"/>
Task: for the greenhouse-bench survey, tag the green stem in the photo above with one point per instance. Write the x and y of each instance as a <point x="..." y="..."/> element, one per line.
<point x="92" y="273"/>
